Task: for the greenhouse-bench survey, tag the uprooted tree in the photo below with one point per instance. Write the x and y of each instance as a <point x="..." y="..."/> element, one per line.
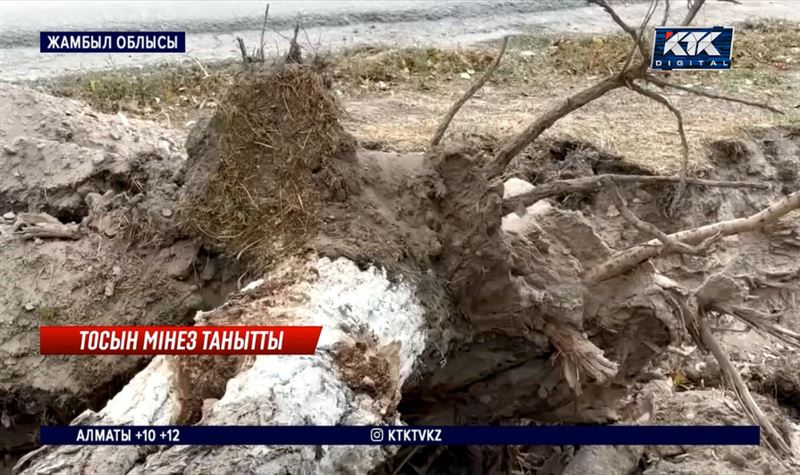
<point x="445" y="297"/>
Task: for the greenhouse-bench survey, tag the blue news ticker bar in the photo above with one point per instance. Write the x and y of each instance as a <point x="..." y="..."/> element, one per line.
<point x="112" y="42"/>
<point x="400" y="435"/>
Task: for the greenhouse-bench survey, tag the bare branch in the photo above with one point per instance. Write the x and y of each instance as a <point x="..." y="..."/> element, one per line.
<point x="665" y="18"/>
<point x="594" y="183"/>
<point x="294" y="55"/>
<point x="639" y="253"/>
<point x="651" y="229"/>
<point x="496" y="166"/>
<point x="442" y="128"/>
<point x="660" y="82"/>
<point x="695" y="7"/>
<point x="245" y="57"/>
<point x="638" y="43"/>
<point x="617" y="19"/>
<point x="684" y="143"/>
<point x="750" y="405"/>
<point x="263" y="29"/>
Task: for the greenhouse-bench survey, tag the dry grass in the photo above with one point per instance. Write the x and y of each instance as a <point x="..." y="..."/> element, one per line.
<point x="396" y="97"/>
<point x="366" y="65"/>
<point x="276" y="129"/>
<point x="149" y="92"/>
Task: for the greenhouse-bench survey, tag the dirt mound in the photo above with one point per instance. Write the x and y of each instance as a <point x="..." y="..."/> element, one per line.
<point x="273" y="174"/>
<point x="278" y="154"/>
<point x="88" y="236"/>
<point x="56" y="152"/>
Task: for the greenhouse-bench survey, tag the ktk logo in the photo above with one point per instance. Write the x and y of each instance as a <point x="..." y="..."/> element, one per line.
<point x="697" y="42"/>
<point x="692" y="48"/>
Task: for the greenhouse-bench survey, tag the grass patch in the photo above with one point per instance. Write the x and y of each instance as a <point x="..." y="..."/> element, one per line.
<point x="737" y="79"/>
<point x="386" y="65"/>
<point x="765" y="53"/>
<point x="590" y="56"/>
<point x="145" y="91"/>
<point x="767" y="43"/>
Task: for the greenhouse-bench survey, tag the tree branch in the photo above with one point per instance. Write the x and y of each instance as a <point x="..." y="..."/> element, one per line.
<point x="617" y="19"/>
<point x="689" y="18"/>
<point x="684" y="143"/>
<point x="632" y="257"/>
<point x="245" y="57"/>
<point x="496" y="166"/>
<point x="263" y="29"/>
<point x="442" y="128"/>
<point x="594" y="183"/>
<point x="295" y="54"/>
<point x="712" y="95"/>
<point x="665" y="18"/>
<point x="638" y="43"/>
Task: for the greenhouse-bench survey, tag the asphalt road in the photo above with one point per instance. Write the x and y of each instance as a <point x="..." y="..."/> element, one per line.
<point x="20" y="21"/>
<point x="212" y="26"/>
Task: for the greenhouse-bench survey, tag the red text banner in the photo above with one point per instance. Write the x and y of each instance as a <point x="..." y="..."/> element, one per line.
<point x="165" y="340"/>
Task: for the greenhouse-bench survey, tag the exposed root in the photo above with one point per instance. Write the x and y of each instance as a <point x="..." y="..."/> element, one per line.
<point x="652" y="230"/>
<point x="595" y="183"/>
<point x="684" y="143"/>
<point x="632" y="257"/>
<point x="499" y="163"/>
<point x="42" y="225"/>
<point x="773" y="437"/>
<point x="577" y="355"/>
<point x="442" y="128"/>
<point x="761" y="322"/>
<point x="279" y="143"/>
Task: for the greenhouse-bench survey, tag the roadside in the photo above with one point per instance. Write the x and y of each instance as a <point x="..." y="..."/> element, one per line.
<point x="405" y="24"/>
<point x="375" y="83"/>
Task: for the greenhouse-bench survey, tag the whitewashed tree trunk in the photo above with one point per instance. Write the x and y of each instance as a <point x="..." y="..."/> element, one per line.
<point x="352" y="306"/>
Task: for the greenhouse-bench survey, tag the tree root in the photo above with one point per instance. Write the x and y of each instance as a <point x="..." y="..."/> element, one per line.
<point x="577" y="355"/>
<point x="42" y="225"/>
<point x="632" y="257"/>
<point x="684" y="143"/>
<point x="595" y="183"/>
<point x="711" y="95"/>
<point x="760" y="322"/>
<point x="773" y="438"/>
<point x="652" y="230"/>
<point x="442" y="128"/>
